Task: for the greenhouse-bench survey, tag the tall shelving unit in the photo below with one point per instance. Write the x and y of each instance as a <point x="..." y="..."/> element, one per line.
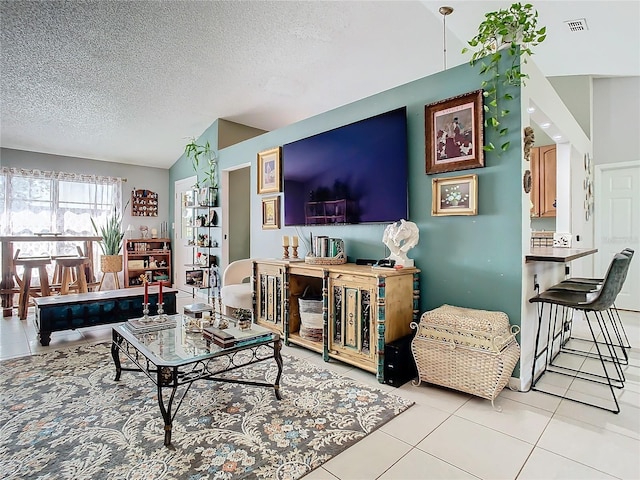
<point x="203" y="273"/>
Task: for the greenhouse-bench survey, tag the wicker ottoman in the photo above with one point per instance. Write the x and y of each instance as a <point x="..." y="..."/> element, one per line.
<point x="474" y="351"/>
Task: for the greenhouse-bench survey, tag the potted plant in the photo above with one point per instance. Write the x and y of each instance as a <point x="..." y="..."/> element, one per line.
<point x="511" y="32"/>
<point x="204" y="153"/>
<point x="111" y="243"/>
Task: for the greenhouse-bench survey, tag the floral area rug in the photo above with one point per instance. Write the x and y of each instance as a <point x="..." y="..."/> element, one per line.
<point x="62" y="416"/>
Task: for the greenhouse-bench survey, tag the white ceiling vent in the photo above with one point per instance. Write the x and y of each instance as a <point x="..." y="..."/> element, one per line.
<point x="579" y="25"/>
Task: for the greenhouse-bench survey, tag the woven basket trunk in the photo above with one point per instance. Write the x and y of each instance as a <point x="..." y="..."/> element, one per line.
<point x="474" y="351"/>
<point x="111" y="263"/>
<point x="476" y="372"/>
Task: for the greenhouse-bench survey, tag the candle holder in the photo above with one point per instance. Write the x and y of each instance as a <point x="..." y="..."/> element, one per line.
<point x="285" y="251"/>
<point x="145" y="312"/>
<point x="295" y="251"/>
<point x="161" y="308"/>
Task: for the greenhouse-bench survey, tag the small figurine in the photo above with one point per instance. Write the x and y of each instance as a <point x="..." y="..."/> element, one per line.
<point x="400" y="237"/>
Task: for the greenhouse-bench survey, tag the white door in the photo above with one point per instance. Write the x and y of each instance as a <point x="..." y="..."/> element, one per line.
<point x="183" y="232"/>
<point x="617" y="222"/>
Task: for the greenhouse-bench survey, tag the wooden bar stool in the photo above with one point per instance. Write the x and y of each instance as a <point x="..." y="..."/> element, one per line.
<point x="73" y="266"/>
<point x="56" y="280"/>
<point x="25" y="289"/>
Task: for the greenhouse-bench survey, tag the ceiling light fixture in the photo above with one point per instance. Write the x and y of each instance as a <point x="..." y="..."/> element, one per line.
<point x="531" y="109"/>
<point x="444" y="11"/>
<point x="545" y="125"/>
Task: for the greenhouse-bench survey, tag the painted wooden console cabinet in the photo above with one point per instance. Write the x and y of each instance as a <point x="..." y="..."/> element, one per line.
<point x="363" y="308"/>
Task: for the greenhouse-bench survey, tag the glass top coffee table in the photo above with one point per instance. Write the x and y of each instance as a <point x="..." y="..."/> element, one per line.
<point x="172" y="356"/>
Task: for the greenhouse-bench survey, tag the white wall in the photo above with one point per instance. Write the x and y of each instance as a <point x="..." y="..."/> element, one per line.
<point x="616" y="120"/>
<point x="576" y="92"/>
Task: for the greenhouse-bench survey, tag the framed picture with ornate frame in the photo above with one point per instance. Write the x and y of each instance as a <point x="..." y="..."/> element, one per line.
<point x="271" y="213"/>
<point x="454" y="137"/>
<point x="269" y="180"/>
<point x="454" y="195"/>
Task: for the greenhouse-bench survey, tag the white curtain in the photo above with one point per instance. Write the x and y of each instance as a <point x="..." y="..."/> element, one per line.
<point x="37" y="201"/>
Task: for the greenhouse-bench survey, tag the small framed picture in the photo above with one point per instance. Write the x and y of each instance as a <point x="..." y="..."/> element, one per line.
<point x="269" y="171"/>
<point x="454" y="133"/>
<point x="271" y="213"/>
<point x="193" y="278"/>
<point x="454" y="196"/>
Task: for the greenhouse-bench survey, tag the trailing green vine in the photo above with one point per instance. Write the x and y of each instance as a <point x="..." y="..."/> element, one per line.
<point x="516" y="29"/>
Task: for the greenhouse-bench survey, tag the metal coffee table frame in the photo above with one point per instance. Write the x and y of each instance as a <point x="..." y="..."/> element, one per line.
<point x="173" y="374"/>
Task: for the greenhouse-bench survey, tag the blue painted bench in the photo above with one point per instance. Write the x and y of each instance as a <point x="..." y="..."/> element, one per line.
<point x="68" y="312"/>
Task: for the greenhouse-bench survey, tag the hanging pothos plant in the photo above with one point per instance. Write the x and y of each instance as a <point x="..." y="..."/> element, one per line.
<point x="197" y="153"/>
<point x="512" y="32"/>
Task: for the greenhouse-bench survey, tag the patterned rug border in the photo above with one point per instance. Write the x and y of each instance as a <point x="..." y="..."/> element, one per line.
<point x="322" y="413"/>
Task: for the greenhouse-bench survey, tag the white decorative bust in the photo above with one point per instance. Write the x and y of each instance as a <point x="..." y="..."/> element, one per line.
<point x="400" y="237"/>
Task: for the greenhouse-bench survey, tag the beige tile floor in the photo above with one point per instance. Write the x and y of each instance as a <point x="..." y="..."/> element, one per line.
<point x="451" y="435"/>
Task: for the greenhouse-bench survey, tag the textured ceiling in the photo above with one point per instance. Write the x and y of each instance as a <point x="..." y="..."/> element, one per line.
<point x="130" y="81"/>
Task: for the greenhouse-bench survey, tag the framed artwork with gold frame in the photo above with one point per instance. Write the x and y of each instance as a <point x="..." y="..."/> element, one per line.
<point x="454" y="196"/>
<point x="269" y="180"/>
<point x="271" y="213"/>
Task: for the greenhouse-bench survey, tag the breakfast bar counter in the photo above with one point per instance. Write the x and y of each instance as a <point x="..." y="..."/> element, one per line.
<point x="557" y="254"/>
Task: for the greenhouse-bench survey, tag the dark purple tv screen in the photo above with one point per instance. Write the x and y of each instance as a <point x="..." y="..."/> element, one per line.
<point x="352" y="174"/>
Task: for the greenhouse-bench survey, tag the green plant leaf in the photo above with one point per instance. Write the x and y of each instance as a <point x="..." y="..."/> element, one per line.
<point x="516" y="28"/>
<point x="505" y="146"/>
<point x="489" y="147"/>
<point x="111" y="233"/>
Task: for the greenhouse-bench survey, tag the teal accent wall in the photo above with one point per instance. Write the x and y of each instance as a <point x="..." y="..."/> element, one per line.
<point x="470" y="261"/>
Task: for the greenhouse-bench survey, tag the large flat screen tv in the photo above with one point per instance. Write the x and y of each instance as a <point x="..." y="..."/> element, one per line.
<point x="356" y="173"/>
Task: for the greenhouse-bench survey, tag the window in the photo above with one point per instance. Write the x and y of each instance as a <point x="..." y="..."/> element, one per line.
<point x="34" y="201"/>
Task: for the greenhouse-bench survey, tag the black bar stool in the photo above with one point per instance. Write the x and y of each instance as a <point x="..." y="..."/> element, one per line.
<point x="592" y="304"/>
<point x="590" y="285"/>
<point x="586" y="282"/>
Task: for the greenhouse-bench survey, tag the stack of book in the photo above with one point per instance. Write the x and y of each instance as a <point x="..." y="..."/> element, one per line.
<point x="324" y="246"/>
<point x="235" y="337"/>
<point x="151" y="324"/>
<point x="219" y="337"/>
